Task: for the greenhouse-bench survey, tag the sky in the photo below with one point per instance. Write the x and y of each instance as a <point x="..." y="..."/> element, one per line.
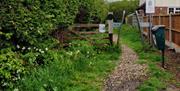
<point x="113" y="0"/>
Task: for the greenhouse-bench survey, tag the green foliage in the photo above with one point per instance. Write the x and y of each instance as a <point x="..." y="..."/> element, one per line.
<point x="25" y="29"/>
<point x="152" y="84"/>
<point x="157" y="77"/>
<point x="37" y="58"/>
<point x="11" y="68"/>
<point x="29" y="22"/>
<point x="92" y="11"/>
<point x="158" y="73"/>
<point x="118" y="7"/>
<point x="77" y="68"/>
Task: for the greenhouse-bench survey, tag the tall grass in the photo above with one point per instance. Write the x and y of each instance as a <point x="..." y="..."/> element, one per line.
<point x="81" y="67"/>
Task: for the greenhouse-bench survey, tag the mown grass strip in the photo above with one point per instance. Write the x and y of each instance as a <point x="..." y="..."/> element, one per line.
<point x="157" y="77"/>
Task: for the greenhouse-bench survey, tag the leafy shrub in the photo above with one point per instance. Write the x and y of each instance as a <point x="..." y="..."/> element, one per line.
<point x="119" y="6"/>
<point x="11" y="68"/>
<point x="29" y="22"/>
<point x="25" y="29"/>
<point x="93" y="11"/>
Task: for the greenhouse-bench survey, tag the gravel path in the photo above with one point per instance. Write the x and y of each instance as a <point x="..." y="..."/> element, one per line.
<point x="128" y="75"/>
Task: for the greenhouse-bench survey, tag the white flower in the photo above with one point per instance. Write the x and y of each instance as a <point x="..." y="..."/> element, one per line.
<point x="46" y="49"/>
<point x="90" y="63"/>
<point x="45" y="85"/>
<point x="78" y="51"/>
<point x="5" y="84"/>
<point x="18" y="70"/>
<point x="29" y="48"/>
<point x="18" y="46"/>
<point x="23" y="48"/>
<point x="16" y="89"/>
<point x="37" y="49"/>
<point x="34" y="47"/>
<point x="42" y="51"/>
<point x="14" y="79"/>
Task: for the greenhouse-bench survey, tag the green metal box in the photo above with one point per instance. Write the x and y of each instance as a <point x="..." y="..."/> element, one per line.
<point x="159" y="33"/>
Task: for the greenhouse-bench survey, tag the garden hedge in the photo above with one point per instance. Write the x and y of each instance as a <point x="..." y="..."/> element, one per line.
<point x="25" y="27"/>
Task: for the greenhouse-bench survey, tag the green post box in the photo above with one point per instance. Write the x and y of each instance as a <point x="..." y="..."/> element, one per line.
<point x="159" y="33"/>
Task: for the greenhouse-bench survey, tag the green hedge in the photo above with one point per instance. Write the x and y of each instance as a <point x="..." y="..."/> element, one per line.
<point x="25" y="29"/>
<point x="128" y="5"/>
<point x="29" y="21"/>
<point x="92" y="11"/>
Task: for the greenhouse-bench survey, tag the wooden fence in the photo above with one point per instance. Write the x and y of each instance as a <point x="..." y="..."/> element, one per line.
<point x="172" y="25"/>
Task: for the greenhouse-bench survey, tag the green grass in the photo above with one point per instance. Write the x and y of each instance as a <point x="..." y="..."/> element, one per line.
<point x="157" y="77"/>
<point x="81" y="67"/>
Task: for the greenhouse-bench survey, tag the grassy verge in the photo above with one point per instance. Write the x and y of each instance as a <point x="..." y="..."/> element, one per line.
<point x="80" y="67"/>
<point x="157" y="77"/>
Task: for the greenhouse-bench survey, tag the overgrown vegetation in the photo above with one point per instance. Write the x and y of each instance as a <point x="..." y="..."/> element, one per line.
<point x="119" y="6"/>
<point x="25" y="32"/>
<point x="158" y="77"/>
<point x="79" y="67"/>
<point x="93" y="11"/>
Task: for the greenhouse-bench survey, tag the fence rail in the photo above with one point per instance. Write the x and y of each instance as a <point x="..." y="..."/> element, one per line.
<point x="172" y="25"/>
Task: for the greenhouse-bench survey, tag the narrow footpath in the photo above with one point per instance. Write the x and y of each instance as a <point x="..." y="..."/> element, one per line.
<point x="128" y="75"/>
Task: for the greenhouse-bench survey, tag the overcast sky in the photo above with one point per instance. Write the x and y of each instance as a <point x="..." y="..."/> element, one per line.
<point x="113" y="0"/>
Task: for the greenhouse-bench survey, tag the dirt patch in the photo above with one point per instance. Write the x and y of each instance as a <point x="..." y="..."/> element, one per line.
<point x="173" y="66"/>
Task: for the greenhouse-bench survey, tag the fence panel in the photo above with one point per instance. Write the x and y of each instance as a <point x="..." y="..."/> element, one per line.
<point x="172" y="24"/>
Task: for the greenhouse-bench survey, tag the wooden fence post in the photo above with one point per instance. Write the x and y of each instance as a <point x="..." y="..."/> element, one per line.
<point x="170" y="30"/>
<point x="150" y="29"/>
<point x="140" y="28"/>
<point x="110" y="31"/>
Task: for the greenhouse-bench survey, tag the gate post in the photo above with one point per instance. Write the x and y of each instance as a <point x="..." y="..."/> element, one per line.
<point x="170" y="30"/>
<point x="110" y="18"/>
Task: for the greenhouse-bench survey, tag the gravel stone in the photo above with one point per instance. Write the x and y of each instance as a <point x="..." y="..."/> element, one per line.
<point x="128" y="75"/>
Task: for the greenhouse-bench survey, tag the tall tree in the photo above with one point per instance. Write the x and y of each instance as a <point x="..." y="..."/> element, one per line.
<point x="117" y="7"/>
